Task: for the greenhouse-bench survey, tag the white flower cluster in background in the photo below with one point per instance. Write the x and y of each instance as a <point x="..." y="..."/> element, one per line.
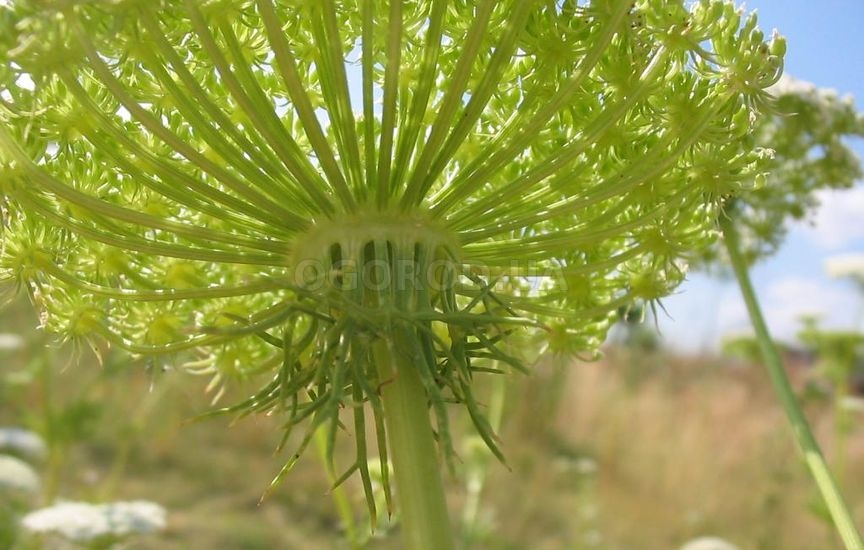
<point x="21" y="442"/>
<point x="10" y="342"/>
<point x="76" y="522"/>
<point x="708" y="543"/>
<point x="83" y="523"/>
<point x="16" y="476"/>
<point x="845" y="266"/>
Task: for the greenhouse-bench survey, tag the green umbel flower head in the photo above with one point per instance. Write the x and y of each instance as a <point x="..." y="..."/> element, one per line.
<point x="253" y="187"/>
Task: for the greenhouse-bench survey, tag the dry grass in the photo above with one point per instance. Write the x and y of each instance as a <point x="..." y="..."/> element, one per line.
<point x="695" y="448"/>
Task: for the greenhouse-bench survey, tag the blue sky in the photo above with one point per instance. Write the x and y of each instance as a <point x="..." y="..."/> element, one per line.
<point x="825" y="47"/>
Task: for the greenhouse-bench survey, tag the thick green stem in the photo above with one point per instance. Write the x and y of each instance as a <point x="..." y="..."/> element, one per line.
<point x="801" y="428"/>
<point x="423" y="508"/>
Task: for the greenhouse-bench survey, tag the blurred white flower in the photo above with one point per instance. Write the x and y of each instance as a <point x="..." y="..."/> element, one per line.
<point x="586" y="466"/>
<point x="846" y="266"/>
<point x="82" y="522"/>
<point x="10" y="342"/>
<point x="790" y="85"/>
<point x="23" y="443"/>
<point x="16" y="476"/>
<point x="708" y="543"/>
<point x="852" y="403"/>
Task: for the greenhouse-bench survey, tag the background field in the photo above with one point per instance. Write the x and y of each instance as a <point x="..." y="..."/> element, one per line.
<point x="642" y="449"/>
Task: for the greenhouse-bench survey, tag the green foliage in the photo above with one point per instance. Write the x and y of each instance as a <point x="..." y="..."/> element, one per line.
<point x="840" y="353"/>
<point x="745" y="348"/>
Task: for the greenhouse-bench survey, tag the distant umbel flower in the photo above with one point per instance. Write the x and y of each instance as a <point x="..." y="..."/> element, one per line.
<point x="846" y="266"/>
<point x="809" y="134"/>
<point x="17" y="477"/>
<point x="23" y="443"/>
<point x="94" y="524"/>
<point x="708" y="543"/>
<point x="262" y="187"/>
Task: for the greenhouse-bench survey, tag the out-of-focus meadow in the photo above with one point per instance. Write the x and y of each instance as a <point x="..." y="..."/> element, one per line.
<point x="642" y="449"/>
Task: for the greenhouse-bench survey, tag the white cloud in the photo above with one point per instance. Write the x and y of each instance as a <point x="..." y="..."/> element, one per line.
<point x="786" y="301"/>
<point x="839" y="220"/>
<point x="709" y="311"/>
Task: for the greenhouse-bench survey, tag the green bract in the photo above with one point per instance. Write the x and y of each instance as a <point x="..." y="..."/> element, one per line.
<point x="260" y="188"/>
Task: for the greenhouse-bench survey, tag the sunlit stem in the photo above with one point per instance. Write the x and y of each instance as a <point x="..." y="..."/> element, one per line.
<point x="419" y="490"/>
<point x="813" y="457"/>
<point x="842" y="422"/>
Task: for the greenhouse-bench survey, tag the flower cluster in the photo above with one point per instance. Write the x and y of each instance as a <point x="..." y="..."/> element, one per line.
<point x="807" y="150"/>
<point x="97" y="524"/>
<point x="166" y="167"/>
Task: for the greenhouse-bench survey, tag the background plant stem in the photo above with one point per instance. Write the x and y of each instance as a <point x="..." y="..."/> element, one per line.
<point x="477" y="482"/>
<point x="340" y="496"/>
<point x="420" y="492"/>
<point x="800" y="427"/>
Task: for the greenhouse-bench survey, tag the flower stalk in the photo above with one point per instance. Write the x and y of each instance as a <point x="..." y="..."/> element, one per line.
<point x="803" y="435"/>
<point x="420" y="492"/>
